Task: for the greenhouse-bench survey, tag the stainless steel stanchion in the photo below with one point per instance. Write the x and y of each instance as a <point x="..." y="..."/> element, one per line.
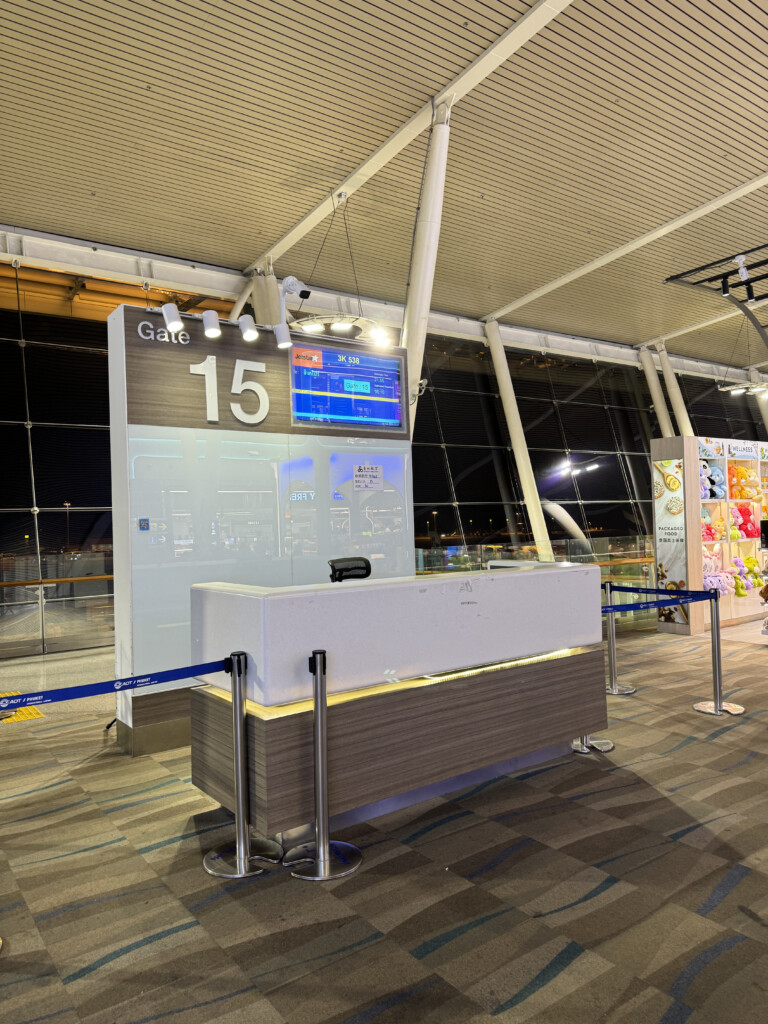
<point x="327" y="858"/>
<point x="586" y="744"/>
<point x="718" y="705"/>
<point x="236" y="860"/>
<point x="614" y="688"/>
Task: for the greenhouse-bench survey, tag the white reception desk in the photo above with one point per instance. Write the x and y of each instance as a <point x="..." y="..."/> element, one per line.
<point x="432" y="680"/>
<point x="380" y="631"/>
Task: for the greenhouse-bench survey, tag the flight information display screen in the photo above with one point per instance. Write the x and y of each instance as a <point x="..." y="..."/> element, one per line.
<point x="346" y="387"/>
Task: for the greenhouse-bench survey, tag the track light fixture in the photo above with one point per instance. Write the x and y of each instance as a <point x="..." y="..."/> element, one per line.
<point x="283" y="335"/>
<point x="247" y="327"/>
<point x="725" y="288"/>
<point x="750" y="293"/>
<point x="211" y="325"/>
<point x="172" y="317"/>
<point x="743" y="272"/>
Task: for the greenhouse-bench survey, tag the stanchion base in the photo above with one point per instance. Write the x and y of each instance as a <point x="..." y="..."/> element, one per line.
<point x="707" y="707"/>
<point x="222" y="860"/>
<point x="621" y="690"/>
<point x="343" y="860"/>
<point x="586" y="744"/>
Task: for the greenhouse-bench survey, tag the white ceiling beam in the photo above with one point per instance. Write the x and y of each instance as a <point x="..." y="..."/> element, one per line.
<point x="532" y="22"/>
<point x="761" y="181"/>
<point x="110" y="263"/>
<point x="702" y="325"/>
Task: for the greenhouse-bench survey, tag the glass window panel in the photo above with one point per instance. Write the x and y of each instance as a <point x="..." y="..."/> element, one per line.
<point x="18" y="547"/>
<point x="82" y="537"/>
<point x="16" y="486"/>
<point x="434" y="524"/>
<point x="54" y="330"/>
<point x="12" y="406"/>
<point x="481" y="474"/>
<point x="541" y="424"/>
<point x="634" y="428"/>
<point x="625" y="386"/>
<point x="71" y="465"/>
<point x="460" y="366"/>
<point x="639" y="476"/>
<point x="529" y="375"/>
<point x="426" y="430"/>
<point x="553" y="477"/>
<point x="708" y="426"/>
<point x="470" y="418"/>
<point x="587" y="427"/>
<point x="66" y="386"/>
<point x="746" y="430"/>
<point x="611" y="519"/>
<point x="702" y="397"/>
<point x="430" y="474"/>
<point x="575" y="381"/>
<point x="599" y="477"/>
<point x="494" y="523"/>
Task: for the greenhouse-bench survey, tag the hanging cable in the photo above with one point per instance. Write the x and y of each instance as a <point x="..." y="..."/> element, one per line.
<point x="319" y="253"/>
<point x="352" y="261"/>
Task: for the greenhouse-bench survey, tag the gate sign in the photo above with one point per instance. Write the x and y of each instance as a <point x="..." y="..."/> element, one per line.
<point x="227" y="383"/>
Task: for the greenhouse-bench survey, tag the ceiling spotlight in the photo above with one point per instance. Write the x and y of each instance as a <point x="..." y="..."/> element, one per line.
<point x="211" y="323"/>
<point x="738" y="391"/>
<point x="247" y="327"/>
<point x="342" y="326"/>
<point x="172" y="317"/>
<point x="313" y="327"/>
<point x="283" y="336"/>
<point x="757" y="389"/>
<point x="724" y="287"/>
<point x="380" y="337"/>
<point x="750" y="293"/>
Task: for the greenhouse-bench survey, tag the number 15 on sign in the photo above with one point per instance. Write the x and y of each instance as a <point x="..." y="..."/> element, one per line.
<point x="207" y="369"/>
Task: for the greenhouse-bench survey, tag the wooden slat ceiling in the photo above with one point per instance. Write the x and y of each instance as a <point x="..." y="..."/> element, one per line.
<point x="204" y="129"/>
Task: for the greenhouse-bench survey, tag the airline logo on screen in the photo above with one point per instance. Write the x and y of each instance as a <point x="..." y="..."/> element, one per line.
<point x="312" y="357"/>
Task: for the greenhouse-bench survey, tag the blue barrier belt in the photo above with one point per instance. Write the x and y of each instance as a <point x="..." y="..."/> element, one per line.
<point x="699" y="595"/>
<point x="24" y="700"/>
<point x="673" y="602"/>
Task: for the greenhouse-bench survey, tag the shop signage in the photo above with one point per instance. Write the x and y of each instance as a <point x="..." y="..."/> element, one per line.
<point x="742" y="449"/>
<point x="669" y="531"/>
<point x="711" y="448"/>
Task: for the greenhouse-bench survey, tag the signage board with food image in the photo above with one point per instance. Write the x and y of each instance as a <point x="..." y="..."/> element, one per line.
<point x="669" y="533"/>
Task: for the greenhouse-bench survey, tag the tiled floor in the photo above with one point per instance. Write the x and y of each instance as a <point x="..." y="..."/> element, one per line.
<point x="629" y="888"/>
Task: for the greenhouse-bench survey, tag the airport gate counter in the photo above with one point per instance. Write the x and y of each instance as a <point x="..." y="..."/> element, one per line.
<point x="430" y="679"/>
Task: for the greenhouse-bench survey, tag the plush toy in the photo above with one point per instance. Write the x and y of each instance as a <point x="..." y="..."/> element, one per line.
<point x="707" y="533"/>
<point x="748" y="526"/>
<point x="735" y="531"/>
<point x="742" y="570"/>
<point x="718" y="528"/>
<point x="732" y="481"/>
<point x="716" y="581"/>
<point x="753" y="485"/>
<point x="764" y="594"/>
<point x="716" y="482"/>
<point x="703" y="480"/>
<point x="753" y="571"/>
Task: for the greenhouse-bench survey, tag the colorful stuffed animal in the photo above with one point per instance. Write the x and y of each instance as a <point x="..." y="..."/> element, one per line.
<point x="753" y="485"/>
<point x="753" y="571"/>
<point x="735" y="530"/>
<point x="703" y="479"/>
<point x="748" y="526"/>
<point x="716" y="482"/>
<point x="719" y="528"/>
<point x="707" y="533"/>
<point x="742" y="570"/>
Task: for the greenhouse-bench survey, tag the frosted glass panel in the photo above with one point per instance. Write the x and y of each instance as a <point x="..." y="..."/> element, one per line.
<point x="268" y="509"/>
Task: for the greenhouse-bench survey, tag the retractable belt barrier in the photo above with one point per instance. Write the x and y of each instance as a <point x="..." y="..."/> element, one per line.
<point x="708" y="707"/>
<point x="25" y="700"/>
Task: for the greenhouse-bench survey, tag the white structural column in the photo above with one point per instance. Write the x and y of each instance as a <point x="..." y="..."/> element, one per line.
<point x="519" y="443"/>
<point x="674" y="392"/>
<point x="657" y="395"/>
<point x="425" y="242"/>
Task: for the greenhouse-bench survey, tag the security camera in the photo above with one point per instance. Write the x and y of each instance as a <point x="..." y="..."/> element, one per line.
<point x="293" y="284"/>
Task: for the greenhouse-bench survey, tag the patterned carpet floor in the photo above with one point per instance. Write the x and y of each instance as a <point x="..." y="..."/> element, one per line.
<point x="628" y="888"/>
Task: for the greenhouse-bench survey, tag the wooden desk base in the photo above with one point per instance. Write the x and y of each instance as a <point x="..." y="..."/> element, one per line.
<point x="397" y="737"/>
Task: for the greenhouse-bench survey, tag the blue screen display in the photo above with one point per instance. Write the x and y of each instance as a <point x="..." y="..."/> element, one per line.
<point x="346" y="387"/>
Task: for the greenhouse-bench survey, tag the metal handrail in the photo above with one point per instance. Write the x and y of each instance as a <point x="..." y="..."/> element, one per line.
<point x="63" y="579"/>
